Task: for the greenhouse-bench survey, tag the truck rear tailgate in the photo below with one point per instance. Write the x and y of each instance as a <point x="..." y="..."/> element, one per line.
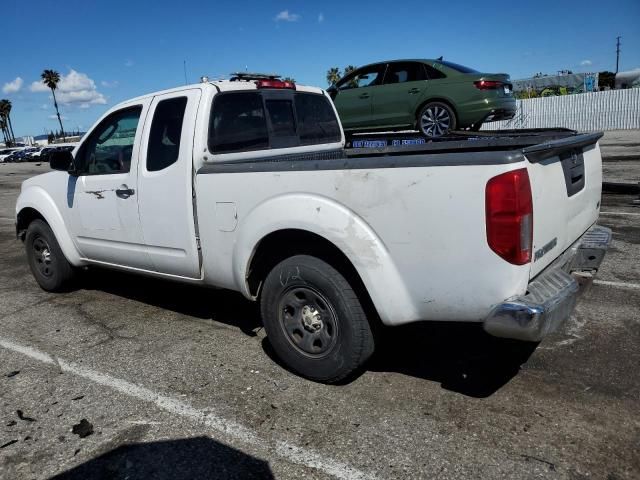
<point x="566" y="185"/>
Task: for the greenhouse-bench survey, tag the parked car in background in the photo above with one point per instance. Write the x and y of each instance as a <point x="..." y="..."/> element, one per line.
<point x="31" y="154"/>
<point x="6" y="153"/>
<point x="432" y="96"/>
<point x="15" y="156"/>
<point x="46" y="151"/>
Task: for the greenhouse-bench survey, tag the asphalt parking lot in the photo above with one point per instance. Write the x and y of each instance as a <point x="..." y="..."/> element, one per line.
<point x="178" y="382"/>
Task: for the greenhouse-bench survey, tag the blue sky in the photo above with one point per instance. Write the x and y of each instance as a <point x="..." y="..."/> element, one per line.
<point x="110" y="51"/>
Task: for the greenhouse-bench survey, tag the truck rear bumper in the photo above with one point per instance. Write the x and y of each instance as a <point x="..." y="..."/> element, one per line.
<point x="552" y="295"/>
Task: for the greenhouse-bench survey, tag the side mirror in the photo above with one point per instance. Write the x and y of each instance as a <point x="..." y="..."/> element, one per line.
<point x="61" y="160"/>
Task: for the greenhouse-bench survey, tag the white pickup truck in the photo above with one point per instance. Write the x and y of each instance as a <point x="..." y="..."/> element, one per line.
<point x="250" y="185"/>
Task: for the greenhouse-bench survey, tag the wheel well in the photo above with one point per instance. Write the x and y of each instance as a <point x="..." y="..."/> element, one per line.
<point x="25" y="217"/>
<point x="441" y="100"/>
<point x="283" y="244"/>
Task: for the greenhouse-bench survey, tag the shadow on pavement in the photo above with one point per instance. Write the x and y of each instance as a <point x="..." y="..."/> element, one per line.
<point x="223" y="306"/>
<point x="183" y="459"/>
<point x="461" y="356"/>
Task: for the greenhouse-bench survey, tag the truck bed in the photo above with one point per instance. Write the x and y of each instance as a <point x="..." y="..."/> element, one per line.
<point x="411" y="143"/>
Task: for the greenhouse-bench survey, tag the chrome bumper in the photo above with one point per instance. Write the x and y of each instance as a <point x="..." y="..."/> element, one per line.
<point x="552" y="295"/>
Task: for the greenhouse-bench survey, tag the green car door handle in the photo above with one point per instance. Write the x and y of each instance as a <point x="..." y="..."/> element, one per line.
<point x="364" y="95"/>
<point x="414" y="90"/>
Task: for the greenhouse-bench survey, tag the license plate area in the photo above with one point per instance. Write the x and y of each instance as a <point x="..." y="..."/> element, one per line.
<point x="573" y="168"/>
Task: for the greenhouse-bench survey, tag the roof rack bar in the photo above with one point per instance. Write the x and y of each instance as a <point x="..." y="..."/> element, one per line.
<point x="247" y="76"/>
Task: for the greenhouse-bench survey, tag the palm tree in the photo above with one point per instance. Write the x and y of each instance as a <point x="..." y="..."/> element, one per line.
<point x="333" y="75"/>
<point x="3" y="127"/>
<point x="5" y="108"/>
<point x="347" y="70"/>
<point x="51" y="78"/>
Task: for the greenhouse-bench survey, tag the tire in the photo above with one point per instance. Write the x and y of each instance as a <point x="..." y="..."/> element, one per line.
<point x="436" y="119"/>
<point x="314" y="320"/>
<point x="48" y="264"/>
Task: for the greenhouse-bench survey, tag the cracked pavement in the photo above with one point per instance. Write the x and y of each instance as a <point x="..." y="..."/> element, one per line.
<point x="179" y="382"/>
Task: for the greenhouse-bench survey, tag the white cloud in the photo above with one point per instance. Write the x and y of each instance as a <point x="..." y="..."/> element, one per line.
<point x="38" y="87"/>
<point x="129" y="63"/>
<point x="320" y="17"/>
<point x="55" y="117"/>
<point x="75" y="87"/>
<point x="14" y="86"/>
<point x="586" y="63"/>
<point x="107" y="84"/>
<point x="44" y="106"/>
<point x="285" y="16"/>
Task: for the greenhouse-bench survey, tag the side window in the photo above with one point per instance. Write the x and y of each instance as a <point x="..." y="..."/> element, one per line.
<point x="366" y="77"/>
<point x="434" y="73"/>
<point x="317" y="121"/>
<point x="166" y="129"/>
<point x="110" y="145"/>
<point x="404" y="72"/>
<point x="237" y="123"/>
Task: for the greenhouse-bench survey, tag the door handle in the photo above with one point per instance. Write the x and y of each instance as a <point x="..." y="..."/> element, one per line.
<point x="414" y="90"/>
<point x="363" y="96"/>
<point x="124" y="191"/>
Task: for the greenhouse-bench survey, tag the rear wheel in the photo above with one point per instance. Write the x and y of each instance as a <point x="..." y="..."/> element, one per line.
<point x="314" y="320"/>
<point x="48" y="264"/>
<point x="436" y="119"/>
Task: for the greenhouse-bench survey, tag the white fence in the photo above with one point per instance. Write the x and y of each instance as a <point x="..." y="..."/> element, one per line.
<point x="608" y="110"/>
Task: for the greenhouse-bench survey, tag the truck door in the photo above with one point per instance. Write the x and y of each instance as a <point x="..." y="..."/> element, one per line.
<point x="102" y="198"/>
<point x="165" y="175"/>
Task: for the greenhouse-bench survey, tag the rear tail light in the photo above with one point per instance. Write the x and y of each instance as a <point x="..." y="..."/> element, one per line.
<point x="488" y="84"/>
<point x="509" y="216"/>
<point x="275" y="84"/>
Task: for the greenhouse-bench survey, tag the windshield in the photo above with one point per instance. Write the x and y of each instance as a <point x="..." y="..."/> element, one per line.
<point x="459" y="68"/>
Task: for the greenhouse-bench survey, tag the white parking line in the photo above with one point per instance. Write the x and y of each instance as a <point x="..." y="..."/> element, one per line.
<point x="285" y="450"/>
<point x="635" y="214"/>
<point x="634" y="286"/>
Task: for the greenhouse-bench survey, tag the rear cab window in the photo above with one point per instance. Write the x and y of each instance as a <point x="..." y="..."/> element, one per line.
<point x="246" y="121"/>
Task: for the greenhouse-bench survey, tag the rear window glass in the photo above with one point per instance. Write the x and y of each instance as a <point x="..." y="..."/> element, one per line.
<point x="281" y="118"/>
<point x="242" y="121"/>
<point x="434" y="73"/>
<point x="238" y="123"/>
<point x="317" y="121"/>
<point x="459" y="68"/>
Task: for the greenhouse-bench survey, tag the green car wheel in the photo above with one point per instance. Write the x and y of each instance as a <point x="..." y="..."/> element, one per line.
<point x="436" y="119"/>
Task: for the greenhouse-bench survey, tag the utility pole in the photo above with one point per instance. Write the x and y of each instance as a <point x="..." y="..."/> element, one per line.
<point x="617" y="53"/>
<point x="184" y="64"/>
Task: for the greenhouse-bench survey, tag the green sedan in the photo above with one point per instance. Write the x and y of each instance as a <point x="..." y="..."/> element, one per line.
<point x="432" y="96"/>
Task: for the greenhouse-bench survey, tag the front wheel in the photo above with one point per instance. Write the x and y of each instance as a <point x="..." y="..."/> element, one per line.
<point x="314" y="320"/>
<point x="436" y="119"/>
<point x="48" y="264"/>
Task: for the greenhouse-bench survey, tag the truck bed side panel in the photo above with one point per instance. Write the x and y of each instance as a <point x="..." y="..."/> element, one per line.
<point x="429" y="222"/>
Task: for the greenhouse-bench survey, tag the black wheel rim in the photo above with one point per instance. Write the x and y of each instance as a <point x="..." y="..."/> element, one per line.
<point x="309" y="321"/>
<point x="435" y="121"/>
<point x="42" y="256"/>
